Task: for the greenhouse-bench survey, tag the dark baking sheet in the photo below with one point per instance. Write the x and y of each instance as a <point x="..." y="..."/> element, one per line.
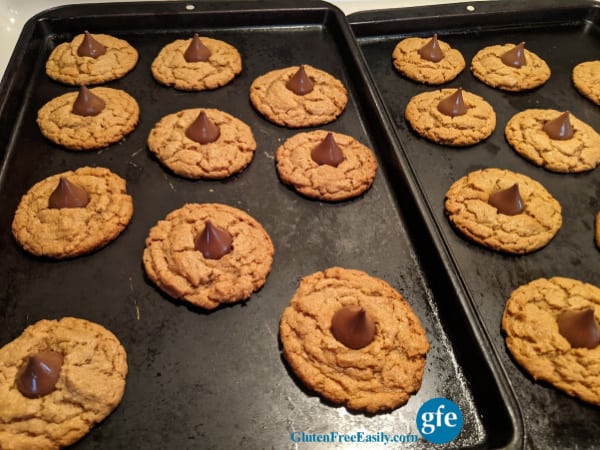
<point x="564" y="34"/>
<point x="217" y="380"/>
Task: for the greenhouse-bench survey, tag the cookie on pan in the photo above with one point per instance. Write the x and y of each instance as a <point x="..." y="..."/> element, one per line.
<point x="503" y="210"/>
<point x="354" y="340"/>
<point x="208" y="254"/>
<point x="325" y="165"/>
<point x="586" y="79"/>
<point x="58" y="379"/>
<point x="510" y="67"/>
<point x="555" y="140"/>
<point x="91" y="59"/>
<point x="72" y="213"/>
<point x="427" y="60"/>
<point x="552" y="329"/>
<point x="298" y="96"/>
<point x="452" y="117"/>
<point x="197" y="64"/>
<point x="202" y="143"/>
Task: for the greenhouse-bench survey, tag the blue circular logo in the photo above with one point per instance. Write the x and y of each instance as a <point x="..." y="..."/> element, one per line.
<point x="439" y="420"/>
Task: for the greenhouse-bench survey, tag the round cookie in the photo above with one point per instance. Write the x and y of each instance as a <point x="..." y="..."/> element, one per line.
<point x="68" y="232"/>
<point x="178" y="269"/>
<point x="59" y="124"/>
<point x="270" y="97"/>
<point x="378" y="377"/>
<point x="171" y="68"/>
<point x="533" y="337"/>
<point x="66" y="66"/>
<point x="489" y="68"/>
<point x="524" y="132"/>
<point x="468" y="210"/>
<point x="408" y="62"/>
<point x="586" y="79"/>
<point x="91" y="384"/>
<point x="474" y="126"/>
<point x="229" y="154"/>
<point x="353" y="176"/>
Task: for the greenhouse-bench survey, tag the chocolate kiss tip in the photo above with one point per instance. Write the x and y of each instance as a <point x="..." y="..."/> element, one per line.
<point x="90" y="47"/>
<point x="214" y="242"/>
<point x="431" y="51"/>
<point x="327" y="152"/>
<point x="453" y="105"/>
<point x="68" y="195"/>
<point x="515" y="57"/>
<point x="196" y="51"/>
<point x="87" y="103"/>
<point x="39" y="374"/>
<point x="353" y="327"/>
<point x="300" y="83"/>
<point x="507" y="201"/>
<point x="560" y="128"/>
<point x="203" y="130"/>
<point x="579" y="328"/>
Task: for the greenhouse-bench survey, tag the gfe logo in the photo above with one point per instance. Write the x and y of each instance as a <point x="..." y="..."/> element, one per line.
<point x="439" y="420"/>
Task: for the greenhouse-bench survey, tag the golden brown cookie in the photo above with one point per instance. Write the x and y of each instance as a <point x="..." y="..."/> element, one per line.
<point x="90" y="384"/>
<point x="524" y="132"/>
<point x="475" y="125"/>
<point x="530" y="322"/>
<point x="61" y="125"/>
<point x="350" y="178"/>
<point x="230" y="153"/>
<point x="171" y="68"/>
<point x="377" y="377"/>
<point x="67" y="232"/>
<point x="66" y="66"/>
<point x="270" y="96"/>
<point x="467" y="208"/>
<point x="488" y="67"/>
<point x="586" y="78"/>
<point x="180" y="270"/>
<point x="408" y="61"/>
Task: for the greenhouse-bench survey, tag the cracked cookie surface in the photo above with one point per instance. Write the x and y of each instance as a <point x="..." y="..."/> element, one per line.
<point x="379" y="377"/>
<point x="353" y="176"/>
<point x="178" y="269"/>
<point x="68" y="232"/>
<point x="90" y="386"/>
<point x="229" y="154"/>
<point x="171" y="68"/>
<point x="59" y="124"/>
<point x="66" y="66"/>
<point x="408" y="62"/>
<point x="524" y="132"/>
<point x="488" y="68"/>
<point x="532" y="335"/>
<point x="468" y="210"/>
<point x="477" y="124"/>
<point x="586" y="78"/>
<point x="278" y="104"/>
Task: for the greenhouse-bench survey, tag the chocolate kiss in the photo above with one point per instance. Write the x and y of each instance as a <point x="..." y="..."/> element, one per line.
<point x="300" y="83"/>
<point x="431" y="51"/>
<point x="87" y="103"/>
<point x="507" y="201"/>
<point x="353" y="327"/>
<point x="202" y="130"/>
<point x="38" y="375"/>
<point x="559" y="128"/>
<point x="453" y="105"/>
<point x="68" y="195"/>
<point x="90" y="47"/>
<point x="327" y="152"/>
<point x="515" y="57"/>
<point x="196" y="51"/>
<point x="579" y="328"/>
<point x="214" y="242"/>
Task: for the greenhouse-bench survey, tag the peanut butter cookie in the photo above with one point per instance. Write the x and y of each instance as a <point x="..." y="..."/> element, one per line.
<point x="586" y="78"/>
<point x="378" y="376"/>
<point x="322" y="104"/>
<point x="174" y="257"/>
<point x="88" y="384"/>
<point x="228" y="151"/>
<point x="349" y="177"/>
<point x="551" y="328"/>
<point x="468" y="208"/>
<point x="222" y="64"/>
<point x="69" y="65"/>
<point x="67" y="230"/>
<point x="578" y="153"/>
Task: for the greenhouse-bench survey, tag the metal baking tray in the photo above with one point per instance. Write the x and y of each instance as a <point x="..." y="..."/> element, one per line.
<point x="564" y="34"/>
<point x="217" y="379"/>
